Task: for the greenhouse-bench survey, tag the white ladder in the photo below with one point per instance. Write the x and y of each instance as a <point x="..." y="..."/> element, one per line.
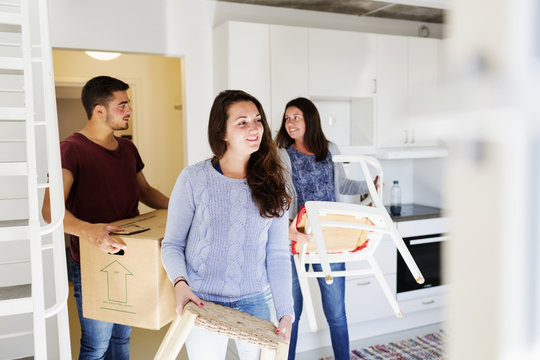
<point x="28" y="152"/>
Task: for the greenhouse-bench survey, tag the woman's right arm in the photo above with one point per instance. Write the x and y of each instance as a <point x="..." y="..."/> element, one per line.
<point x="179" y="218"/>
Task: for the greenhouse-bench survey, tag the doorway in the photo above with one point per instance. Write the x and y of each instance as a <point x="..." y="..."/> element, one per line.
<point x="156" y="94"/>
<point x="156" y="128"/>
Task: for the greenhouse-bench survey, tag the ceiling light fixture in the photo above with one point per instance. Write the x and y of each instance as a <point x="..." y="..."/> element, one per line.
<point x="102" y="55"/>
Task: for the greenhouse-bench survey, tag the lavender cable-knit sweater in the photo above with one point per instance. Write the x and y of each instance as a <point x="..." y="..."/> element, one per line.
<point x="217" y="240"/>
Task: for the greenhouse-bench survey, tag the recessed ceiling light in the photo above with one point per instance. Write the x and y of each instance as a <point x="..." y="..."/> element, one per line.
<point x="102" y="55"/>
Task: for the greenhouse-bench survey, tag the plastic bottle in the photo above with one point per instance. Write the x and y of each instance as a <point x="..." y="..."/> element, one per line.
<point x="395" y="199"/>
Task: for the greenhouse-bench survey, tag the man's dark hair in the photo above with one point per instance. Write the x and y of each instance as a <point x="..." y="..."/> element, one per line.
<point x="99" y="91"/>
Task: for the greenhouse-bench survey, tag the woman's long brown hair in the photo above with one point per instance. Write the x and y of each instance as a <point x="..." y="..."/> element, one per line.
<point x="314" y="138"/>
<point x="265" y="175"/>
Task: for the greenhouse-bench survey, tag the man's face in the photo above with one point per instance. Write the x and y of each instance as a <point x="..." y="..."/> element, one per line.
<point x="118" y="111"/>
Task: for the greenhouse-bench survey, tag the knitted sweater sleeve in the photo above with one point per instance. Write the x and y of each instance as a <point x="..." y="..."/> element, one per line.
<point x="278" y="266"/>
<point x="343" y="184"/>
<point x="179" y="218"/>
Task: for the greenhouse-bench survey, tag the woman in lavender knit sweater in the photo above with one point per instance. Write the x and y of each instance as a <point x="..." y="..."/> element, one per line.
<point x="226" y="238"/>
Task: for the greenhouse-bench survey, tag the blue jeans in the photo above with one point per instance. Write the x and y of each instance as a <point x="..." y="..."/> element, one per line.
<point x="99" y="339"/>
<point x="333" y="301"/>
<point x="258" y="305"/>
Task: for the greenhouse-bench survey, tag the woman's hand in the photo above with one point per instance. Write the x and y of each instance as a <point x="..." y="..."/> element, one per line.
<point x="285" y="326"/>
<point x="376" y="182"/>
<point x="183" y="296"/>
<point x="294" y="234"/>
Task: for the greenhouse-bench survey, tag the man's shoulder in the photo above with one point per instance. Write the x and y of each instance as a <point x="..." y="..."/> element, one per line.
<point x="125" y="142"/>
<point x="74" y="138"/>
<point x="72" y="143"/>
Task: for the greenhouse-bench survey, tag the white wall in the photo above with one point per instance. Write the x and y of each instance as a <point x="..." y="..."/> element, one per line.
<point x="124" y="25"/>
<point x="184" y="28"/>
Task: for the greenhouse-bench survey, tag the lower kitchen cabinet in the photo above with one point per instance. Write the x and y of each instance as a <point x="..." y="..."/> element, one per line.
<point x="365" y="299"/>
<point x="421" y="304"/>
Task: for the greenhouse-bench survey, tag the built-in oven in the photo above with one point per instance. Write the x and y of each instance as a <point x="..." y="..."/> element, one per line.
<point x="424" y="231"/>
<point x="426" y="251"/>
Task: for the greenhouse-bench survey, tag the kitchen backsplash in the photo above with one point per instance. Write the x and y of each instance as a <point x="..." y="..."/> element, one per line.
<point x="420" y="180"/>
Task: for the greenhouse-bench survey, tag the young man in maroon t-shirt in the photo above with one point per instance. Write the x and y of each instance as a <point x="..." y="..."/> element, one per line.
<point x="103" y="182"/>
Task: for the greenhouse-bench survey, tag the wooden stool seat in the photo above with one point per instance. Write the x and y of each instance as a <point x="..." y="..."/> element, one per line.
<point x="223" y="320"/>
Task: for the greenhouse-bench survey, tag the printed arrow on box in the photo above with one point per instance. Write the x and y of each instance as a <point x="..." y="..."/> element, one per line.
<point x="116" y="281"/>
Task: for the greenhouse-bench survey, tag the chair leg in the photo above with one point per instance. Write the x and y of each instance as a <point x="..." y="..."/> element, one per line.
<point x="382" y="282"/>
<point x="266" y="354"/>
<point x="176" y="336"/>
<point x="282" y="351"/>
<point x="306" y="293"/>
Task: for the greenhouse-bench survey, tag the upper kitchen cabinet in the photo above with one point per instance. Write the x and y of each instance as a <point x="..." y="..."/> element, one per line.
<point x="242" y="60"/>
<point x="423" y="70"/>
<point x="341" y="63"/>
<point x="289" y="68"/>
<point x="406" y="67"/>
<point x="391" y="90"/>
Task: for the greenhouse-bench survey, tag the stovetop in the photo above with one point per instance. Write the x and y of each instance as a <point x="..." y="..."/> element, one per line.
<point x="415" y="212"/>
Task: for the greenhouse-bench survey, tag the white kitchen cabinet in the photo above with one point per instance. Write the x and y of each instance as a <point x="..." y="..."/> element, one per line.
<point x="242" y="60"/>
<point x="391" y="127"/>
<point x="365" y="299"/>
<point x="423" y="74"/>
<point x="422" y="303"/>
<point x="341" y="63"/>
<point x="406" y="67"/>
<point x="289" y="68"/>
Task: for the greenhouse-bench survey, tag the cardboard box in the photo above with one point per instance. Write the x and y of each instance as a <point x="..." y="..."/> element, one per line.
<point x="132" y="288"/>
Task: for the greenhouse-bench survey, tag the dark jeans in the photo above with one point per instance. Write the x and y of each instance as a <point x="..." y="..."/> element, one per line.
<point x="333" y="301"/>
<point x="99" y="339"/>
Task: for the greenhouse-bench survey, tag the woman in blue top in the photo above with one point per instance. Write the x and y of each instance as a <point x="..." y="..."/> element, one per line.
<point x="307" y="155"/>
<point x="226" y="236"/>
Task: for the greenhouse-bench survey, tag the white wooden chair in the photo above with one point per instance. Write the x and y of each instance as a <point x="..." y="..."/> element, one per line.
<point x="344" y="232"/>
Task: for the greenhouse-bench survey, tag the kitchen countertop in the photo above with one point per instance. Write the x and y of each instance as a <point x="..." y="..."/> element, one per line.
<point x="415" y="212"/>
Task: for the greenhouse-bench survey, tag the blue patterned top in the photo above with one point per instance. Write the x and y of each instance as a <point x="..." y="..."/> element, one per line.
<point x="312" y="179"/>
<point x="341" y="183"/>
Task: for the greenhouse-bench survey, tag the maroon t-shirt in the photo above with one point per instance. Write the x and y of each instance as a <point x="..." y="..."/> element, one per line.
<point x="104" y="182"/>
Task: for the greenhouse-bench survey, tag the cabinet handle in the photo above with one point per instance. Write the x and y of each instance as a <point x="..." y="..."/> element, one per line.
<point x="406" y="139"/>
<point x="363" y="283"/>
<point x="429" y="302"/>
<point x="412" y="136"/>
<point x="374" y="86"/>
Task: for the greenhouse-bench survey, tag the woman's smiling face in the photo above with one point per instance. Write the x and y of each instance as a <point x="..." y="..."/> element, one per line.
<point x="295" y="123"/>
<point x="244" y="129"/>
